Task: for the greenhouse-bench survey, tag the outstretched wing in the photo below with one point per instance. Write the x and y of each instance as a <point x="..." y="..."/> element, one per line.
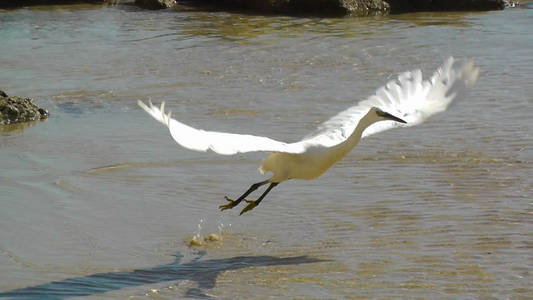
<point x="219" y="142"/>
<point x="408" y="97"/>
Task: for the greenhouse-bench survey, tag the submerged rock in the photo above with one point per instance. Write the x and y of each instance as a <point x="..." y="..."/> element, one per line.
<point x="398" y="6"/>
<point x="15" y="109"/>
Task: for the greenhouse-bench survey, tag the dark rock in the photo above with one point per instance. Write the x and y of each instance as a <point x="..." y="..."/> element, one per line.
<point x="300" y="7"/>
<point x="345" y="7"/>
<point x="341" y="7"/>
<point x="21" y="3"/>
<point x="15" y="109"/>
<point x="399" y="6"/>
<point x="155" y="4"/>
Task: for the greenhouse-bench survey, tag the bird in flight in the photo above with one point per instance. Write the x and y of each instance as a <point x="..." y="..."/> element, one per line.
<point x="406" y="101"/>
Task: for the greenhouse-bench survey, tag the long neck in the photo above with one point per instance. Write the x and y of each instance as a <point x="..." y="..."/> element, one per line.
<point x="337" y="152"/>
<point x="353" y="139"/>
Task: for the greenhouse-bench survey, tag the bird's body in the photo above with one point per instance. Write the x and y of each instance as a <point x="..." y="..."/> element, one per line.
<point x="316" y="159"/>
<point x="409" y="100"/>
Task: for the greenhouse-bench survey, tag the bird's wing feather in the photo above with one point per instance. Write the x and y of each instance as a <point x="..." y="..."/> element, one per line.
<point x="219" y="142"/>
<point x="408" y="97"/>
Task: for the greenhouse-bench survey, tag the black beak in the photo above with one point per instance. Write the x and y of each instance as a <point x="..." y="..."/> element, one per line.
<point x="391" y="117"/>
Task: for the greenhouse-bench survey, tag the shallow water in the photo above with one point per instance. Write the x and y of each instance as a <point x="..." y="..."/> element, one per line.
<point x="98" y="200"/>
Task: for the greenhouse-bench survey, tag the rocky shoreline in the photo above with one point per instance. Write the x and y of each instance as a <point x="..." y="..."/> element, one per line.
<point x="15" y="109"/>
<point x="299" y="7"/>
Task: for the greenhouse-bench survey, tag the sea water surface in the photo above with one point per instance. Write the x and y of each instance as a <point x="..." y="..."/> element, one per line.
<point x="99" y="201"/>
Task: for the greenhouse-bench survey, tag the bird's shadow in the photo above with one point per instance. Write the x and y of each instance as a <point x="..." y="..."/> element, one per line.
<point x="203" y="272"/>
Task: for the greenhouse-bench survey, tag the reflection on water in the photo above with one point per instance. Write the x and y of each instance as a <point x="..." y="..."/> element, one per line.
<point x="96" y="196"/>
<point x="455" y="19"/>
<point x="17" y="127"/>
<point x="244" y="28"/>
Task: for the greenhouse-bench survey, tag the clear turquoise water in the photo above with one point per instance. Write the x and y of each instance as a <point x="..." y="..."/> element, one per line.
<point x="98" y="201"/>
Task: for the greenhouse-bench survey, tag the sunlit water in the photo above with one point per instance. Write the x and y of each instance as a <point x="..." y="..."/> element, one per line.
<point x="99" y="201"/>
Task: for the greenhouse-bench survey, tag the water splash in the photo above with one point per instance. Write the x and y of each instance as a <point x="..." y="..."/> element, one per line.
<point x="199" y="232"/>
<point x="200" y="240"/>
<point x="196" y="240"/>
<point x="222" y="226"/>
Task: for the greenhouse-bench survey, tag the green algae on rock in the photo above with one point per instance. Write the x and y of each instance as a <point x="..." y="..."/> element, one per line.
<point x="16" y="109"/>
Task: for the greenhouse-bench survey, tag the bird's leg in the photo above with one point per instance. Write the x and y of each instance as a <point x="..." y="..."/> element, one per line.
<point x="252" y="204"/>
<point x="233" y="203"/>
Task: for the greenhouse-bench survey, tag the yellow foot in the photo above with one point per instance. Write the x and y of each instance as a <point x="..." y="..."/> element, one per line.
<point x="230" y="205"/>
<point x="250" y="206"/>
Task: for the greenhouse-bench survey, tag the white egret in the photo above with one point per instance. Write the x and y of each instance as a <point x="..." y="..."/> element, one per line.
<point x="403" y="102"/>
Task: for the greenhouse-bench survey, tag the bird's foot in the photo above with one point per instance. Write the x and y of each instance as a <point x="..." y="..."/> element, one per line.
<point x="251" y="205"/>
<point x="230" y="205"/>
